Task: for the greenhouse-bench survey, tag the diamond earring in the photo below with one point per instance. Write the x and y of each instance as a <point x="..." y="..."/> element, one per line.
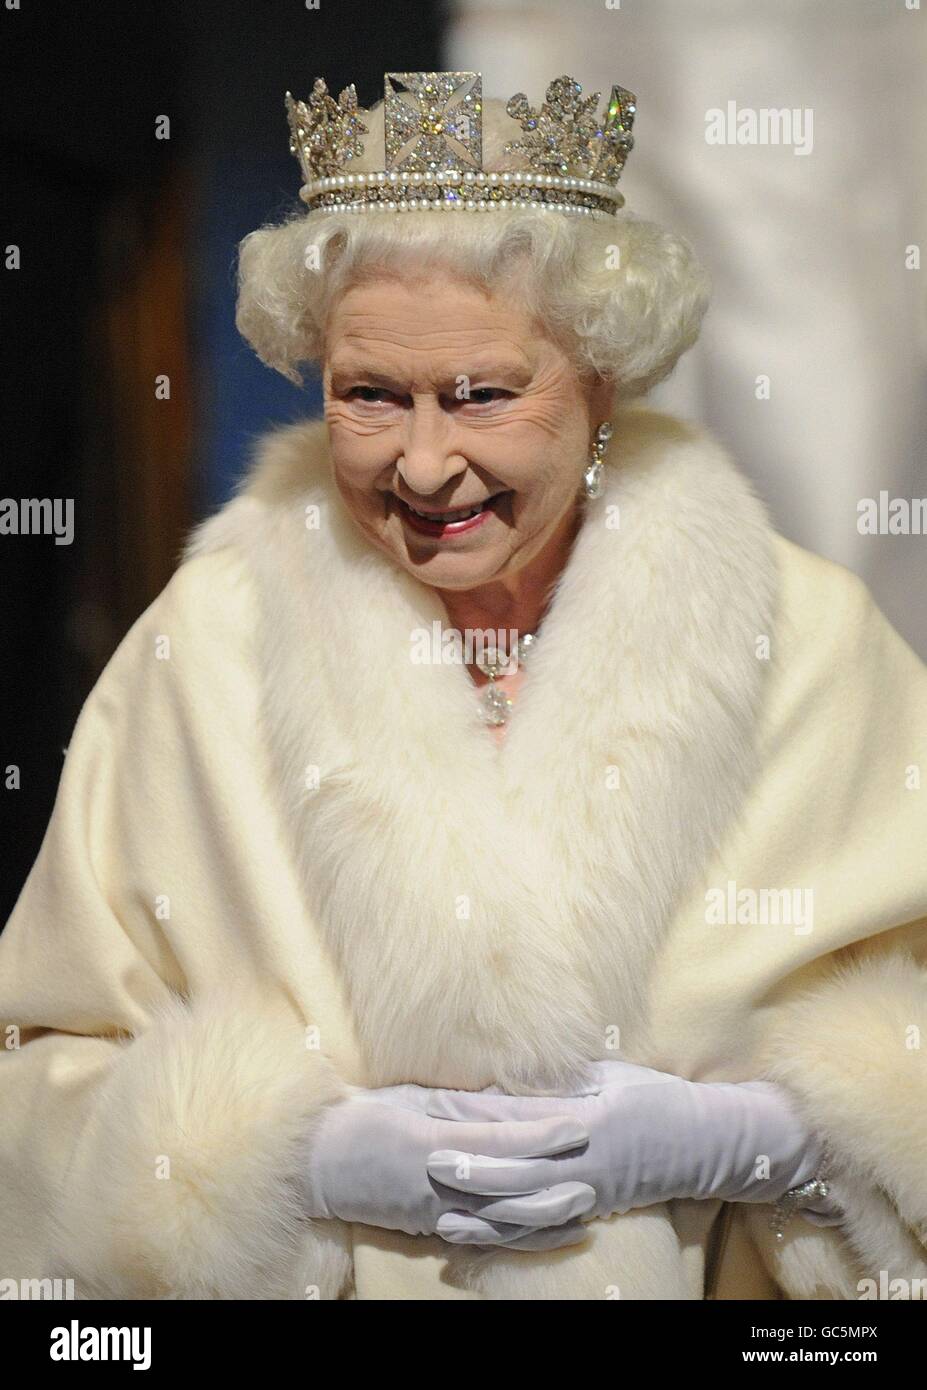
<point x="592" y="478"/>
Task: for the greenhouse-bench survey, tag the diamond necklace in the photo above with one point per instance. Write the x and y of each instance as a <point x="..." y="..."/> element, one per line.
<point x="495" y="705"/>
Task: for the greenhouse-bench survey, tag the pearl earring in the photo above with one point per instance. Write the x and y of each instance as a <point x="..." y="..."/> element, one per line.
<point x="592" y="478"/>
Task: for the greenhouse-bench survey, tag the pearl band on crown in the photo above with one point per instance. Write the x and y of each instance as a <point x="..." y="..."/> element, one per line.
<point x="449" y="190"/>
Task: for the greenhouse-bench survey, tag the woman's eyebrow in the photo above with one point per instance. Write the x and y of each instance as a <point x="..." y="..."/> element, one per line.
<point x="350" y="370"/>
<point x="514" y="371"/>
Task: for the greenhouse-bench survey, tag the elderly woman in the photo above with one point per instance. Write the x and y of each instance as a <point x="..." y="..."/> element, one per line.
<point x="494" y="866"/>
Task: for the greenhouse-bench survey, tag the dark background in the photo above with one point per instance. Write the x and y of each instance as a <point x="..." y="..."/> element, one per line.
<point x="128" y="249"/>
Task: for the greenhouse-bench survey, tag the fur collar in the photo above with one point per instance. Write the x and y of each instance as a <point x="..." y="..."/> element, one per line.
<point x="495" y="910"/>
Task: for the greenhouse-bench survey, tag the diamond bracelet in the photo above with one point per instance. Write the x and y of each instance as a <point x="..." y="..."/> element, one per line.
<point x="806" y="1194"/>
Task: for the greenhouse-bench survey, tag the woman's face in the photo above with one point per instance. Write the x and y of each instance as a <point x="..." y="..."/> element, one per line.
<point x="443" y="400"/>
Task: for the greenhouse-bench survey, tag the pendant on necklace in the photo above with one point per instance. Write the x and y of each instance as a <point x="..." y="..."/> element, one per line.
<point x="495" y="705"/>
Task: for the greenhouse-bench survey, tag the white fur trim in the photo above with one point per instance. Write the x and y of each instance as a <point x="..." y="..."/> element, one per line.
<point x="569" y="886"/>
<point x="843" y="1048"/>
<point x="223" y="1089"/>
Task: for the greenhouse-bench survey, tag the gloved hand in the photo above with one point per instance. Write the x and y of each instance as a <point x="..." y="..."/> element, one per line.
<point x="654" y="1137"/>
<point x="367" y="1161"/>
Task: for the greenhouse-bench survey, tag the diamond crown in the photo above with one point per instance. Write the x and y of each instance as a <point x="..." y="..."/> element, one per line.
<point x="568" y="156"/>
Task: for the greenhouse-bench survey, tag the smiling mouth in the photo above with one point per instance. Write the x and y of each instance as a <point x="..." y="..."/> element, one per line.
<point x="453" y="520"/>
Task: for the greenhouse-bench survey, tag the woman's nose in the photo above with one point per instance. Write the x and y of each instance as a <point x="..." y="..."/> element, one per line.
<point x="429" y="456"/>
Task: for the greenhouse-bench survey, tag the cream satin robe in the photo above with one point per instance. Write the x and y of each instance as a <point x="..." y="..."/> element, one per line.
<point x="285" y="856"/>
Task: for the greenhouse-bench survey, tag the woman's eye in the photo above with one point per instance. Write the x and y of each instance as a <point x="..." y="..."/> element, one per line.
<point x="372" y="395"/>
<point x="379" y="395"/>
<point x="485" y="395"/>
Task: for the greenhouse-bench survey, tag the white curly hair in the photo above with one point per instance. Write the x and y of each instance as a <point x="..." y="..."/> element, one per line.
<point x="623" y="295"/>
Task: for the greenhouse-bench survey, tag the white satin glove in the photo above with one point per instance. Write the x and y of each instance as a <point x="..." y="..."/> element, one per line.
<point x="654" y="1137"/>
<point x="367" y="1161"/>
